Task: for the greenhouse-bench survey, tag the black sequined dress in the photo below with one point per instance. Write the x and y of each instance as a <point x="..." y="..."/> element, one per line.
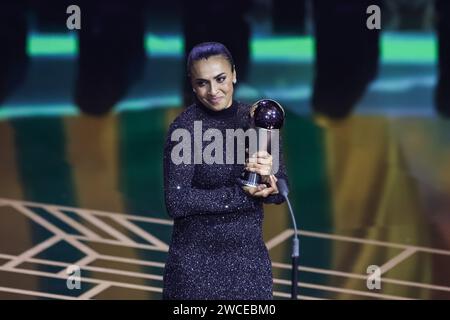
<point x="217" y="249"/>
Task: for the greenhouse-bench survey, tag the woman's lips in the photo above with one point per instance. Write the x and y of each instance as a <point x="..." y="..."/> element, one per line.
<point x="215" y="100"/>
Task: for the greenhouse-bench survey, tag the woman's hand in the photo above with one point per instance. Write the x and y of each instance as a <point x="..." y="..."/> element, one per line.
<point x="260" y="163"/>
<point x="263" y="190"/>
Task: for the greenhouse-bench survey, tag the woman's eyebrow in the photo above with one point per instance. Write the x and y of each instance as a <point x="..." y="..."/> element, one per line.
<point x="215" y="77"/>
<point x="219" y="75"/>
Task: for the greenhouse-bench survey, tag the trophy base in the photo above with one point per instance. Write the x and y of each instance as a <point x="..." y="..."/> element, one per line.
<point x="249" y="179"/>
<point x="247" y="183"/>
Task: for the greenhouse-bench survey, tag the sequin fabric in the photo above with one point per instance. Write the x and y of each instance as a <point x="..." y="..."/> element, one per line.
<point x="217" y="249"/>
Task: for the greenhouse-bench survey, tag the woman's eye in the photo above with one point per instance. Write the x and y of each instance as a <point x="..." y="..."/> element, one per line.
<point x="200" y="84"/>
<point x="221" y="79"/>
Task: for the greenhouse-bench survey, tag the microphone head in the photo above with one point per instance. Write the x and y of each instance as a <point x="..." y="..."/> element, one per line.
<point x="283" y="187"/>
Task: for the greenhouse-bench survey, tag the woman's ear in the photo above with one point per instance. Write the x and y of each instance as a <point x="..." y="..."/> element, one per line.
<point x="234" y="75"/>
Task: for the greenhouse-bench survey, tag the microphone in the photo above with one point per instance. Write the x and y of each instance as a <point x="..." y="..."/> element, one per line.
<point x="284" y="191"/>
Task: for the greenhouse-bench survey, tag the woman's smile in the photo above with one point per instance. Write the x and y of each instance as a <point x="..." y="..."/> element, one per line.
<point x="215" y="100"/>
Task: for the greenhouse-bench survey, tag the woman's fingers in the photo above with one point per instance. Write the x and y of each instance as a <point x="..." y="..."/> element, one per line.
<point x="264" y="193"/>
<point x="273" y="189"/>
<point x="261" y="154"/>
<point x="254" y="190"/>
<point x="249" y="190"/>
<point x="261" y="169"/>
<point x="263" y="190"/>
<point x="260" y="160"/>
<point x="261" y="163"/>
<point x="273" y="183"/>
<point x="261" y="157"/>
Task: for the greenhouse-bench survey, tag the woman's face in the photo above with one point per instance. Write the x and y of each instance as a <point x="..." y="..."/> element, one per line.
<point x="212" y="81"/>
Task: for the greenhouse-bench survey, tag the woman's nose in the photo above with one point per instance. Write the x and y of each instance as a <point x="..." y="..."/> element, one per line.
<point x="212" y="89"/>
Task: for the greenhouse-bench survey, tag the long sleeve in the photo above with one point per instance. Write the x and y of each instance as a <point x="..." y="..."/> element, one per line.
<point x="281" y="174"/>
<point x="182" y="199"/>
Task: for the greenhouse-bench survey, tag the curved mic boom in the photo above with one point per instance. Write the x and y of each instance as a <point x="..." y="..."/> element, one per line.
<point x="284" y="190"/>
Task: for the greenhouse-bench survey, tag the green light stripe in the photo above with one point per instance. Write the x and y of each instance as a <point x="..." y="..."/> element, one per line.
<point x="37" y="110"/>
<point x="395" y="48"/>
<point x="409" y="48"/>
<point x="52" y="44"/>
<point x="165" y="46"/>
<point x="292" y="48"/>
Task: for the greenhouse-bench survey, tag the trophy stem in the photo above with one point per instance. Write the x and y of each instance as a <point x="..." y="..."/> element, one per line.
<point x="264" y="139"/>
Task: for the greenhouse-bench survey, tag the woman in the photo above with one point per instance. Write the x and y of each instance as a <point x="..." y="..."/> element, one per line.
<point x="217" y="249"/>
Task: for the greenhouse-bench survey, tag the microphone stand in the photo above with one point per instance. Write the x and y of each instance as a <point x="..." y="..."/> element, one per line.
<point x="283" y="189"/>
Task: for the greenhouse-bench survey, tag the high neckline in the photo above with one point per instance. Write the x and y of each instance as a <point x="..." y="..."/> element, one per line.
<point x="221" y="114"/>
